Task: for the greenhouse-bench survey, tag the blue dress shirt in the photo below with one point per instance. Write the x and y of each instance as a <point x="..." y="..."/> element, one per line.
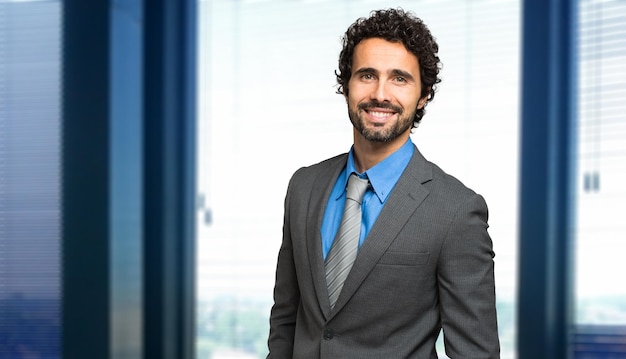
<point x="383" y="177"/>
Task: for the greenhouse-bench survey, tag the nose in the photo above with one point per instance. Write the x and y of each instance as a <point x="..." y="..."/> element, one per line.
<point x="380" y="92"/>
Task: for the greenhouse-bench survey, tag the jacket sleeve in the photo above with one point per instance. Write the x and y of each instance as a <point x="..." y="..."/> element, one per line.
<point x="286" y="295"/>
<point x="466" y="285"/>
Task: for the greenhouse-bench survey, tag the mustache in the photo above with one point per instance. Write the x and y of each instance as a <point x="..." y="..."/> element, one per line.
<point x="376" y="104"/>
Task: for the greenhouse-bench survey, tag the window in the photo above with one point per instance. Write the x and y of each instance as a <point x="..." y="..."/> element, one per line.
<point x="600" y="299"/>
<point x="601" y="197"/>
<point x="267" y="106"/>
<point x="30" y="167"/>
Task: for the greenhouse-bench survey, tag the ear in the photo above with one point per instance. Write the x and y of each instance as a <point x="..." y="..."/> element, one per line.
<point x="422" y="102"/>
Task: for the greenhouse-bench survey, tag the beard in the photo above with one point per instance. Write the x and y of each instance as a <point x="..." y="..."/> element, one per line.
<point x="385" y="133"/>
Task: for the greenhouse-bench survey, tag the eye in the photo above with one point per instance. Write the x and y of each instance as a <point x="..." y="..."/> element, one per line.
<point x="400" y="79"/>
<point x="367" y="76"/>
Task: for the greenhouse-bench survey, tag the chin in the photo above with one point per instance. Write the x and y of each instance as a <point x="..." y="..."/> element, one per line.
<point x="377" y="136"/>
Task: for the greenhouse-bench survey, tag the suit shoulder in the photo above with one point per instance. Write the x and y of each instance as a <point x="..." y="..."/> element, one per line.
<point x="452" y="195"/>
<point x="307" y="175"/>
<point x="322" y="166"/>
<point x="449" y="184"/>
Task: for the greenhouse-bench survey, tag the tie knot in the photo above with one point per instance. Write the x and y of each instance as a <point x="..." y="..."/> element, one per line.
<point x="356" y="188"/>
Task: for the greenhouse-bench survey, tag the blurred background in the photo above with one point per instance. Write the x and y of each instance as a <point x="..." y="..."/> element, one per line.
<point x="129" y="129"/>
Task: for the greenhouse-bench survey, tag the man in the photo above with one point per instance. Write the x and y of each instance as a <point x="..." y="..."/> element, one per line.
<point x="422" y="259"/>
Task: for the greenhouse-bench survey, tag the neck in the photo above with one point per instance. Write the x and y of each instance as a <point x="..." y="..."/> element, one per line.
<point x="368" y="154"/>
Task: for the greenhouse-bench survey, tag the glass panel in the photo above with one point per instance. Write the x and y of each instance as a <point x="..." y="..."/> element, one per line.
<point x="600" y="226"/>
<point x="267" y="106"/>
<point x="30" y="144"/>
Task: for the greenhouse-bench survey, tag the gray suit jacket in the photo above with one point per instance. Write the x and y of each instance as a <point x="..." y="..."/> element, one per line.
<point x="427" y="263"/>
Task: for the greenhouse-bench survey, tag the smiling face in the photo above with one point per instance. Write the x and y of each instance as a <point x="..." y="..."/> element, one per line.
<point x="383" y="91"/>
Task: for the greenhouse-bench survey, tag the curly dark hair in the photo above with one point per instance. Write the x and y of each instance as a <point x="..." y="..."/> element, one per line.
<point x="394" y="25"/>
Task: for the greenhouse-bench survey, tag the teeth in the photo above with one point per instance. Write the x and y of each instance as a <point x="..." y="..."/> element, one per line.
<point x="380" y="114"/>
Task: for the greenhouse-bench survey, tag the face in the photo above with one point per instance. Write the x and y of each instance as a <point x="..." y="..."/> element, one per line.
<point x="384" y="90"/>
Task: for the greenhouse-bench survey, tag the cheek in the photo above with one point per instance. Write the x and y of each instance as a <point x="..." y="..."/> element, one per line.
<point x="352" y="100"/>
<point x="359" y="92"/>
<point x="410" y="99"/>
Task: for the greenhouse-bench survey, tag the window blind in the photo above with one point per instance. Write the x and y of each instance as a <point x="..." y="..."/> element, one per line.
<point x="601" y="170"/>
<point x="30" y="48"/>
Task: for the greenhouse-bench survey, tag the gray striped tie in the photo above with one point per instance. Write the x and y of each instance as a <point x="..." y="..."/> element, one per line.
<point x="344" y="249"/>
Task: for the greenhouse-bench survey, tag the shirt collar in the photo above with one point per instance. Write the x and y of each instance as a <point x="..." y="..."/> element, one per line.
<point x="384" y="175"/>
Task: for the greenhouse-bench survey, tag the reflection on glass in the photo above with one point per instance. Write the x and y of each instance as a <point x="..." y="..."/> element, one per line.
<point x="267" y="106"/>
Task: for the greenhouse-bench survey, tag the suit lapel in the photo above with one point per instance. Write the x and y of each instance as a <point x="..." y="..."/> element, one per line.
<point x="405" y="198"/>
<point x="319" y="198"/>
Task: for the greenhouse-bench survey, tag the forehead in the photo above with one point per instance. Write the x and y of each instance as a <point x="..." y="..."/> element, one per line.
<point x="382" y="55"/>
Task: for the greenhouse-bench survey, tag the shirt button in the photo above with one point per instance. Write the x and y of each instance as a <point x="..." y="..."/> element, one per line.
<point x="328" y="334"/>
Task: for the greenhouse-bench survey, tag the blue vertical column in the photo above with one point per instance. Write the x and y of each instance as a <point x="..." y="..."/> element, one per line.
<point x="126" y="194"/>
<point x="546" y="199"/>
<point x="102" y="180"/>
<point x="169" y="178"/>
<point x="85" y="187"/>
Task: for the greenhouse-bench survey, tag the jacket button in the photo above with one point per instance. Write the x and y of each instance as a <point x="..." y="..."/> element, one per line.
<point x="328" y="334"/>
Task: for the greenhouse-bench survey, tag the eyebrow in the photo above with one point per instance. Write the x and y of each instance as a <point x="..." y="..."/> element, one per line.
<point x="366" y="70"/>
<point x="395" y="72"/>
<point x="398" y="72"/>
